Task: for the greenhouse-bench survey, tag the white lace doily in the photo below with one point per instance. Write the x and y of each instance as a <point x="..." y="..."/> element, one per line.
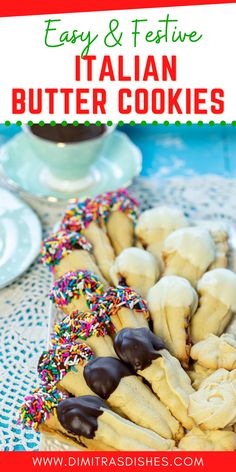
<point x="24" y="307"/>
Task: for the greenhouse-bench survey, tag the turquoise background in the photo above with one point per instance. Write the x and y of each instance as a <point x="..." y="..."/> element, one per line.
<point x="187" y="149"/>
<point x="180" y="150"/>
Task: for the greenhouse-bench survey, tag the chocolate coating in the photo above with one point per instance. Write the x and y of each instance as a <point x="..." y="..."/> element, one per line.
<point x="137" y="347"/>
<point x="103" y="375"/>
<point x="69" y="133"/>
<point x="79" y="415"/>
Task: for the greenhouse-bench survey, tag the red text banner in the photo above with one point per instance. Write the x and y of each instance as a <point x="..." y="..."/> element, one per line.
<point x="44" y="7"/>
<point x="114" y="461"/>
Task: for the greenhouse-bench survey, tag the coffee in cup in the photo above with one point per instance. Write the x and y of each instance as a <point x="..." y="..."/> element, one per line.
<point x="69" y="133"/>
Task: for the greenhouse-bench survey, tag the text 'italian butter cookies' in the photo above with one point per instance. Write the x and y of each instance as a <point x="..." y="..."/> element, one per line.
<point x="68" y="251"/>
<point x="146" y="354"/>
<point x="126" y="308"/>
<point x="215" y="440"/>
<point x="136" y="268"/>
<point x="172" y="302"/>
<point x="156" y="224"/>
<point x="90" y="328"/>
<point x="188" y="252"/>
<point x="216" y="352"/>
<point x="74" y="291"/>
<point x="213" y="406"/>
<point x="86" y="217"/>
<point x="117" y="383"/>
<point x="119" y="220"/>
<point x="217" y="290"/>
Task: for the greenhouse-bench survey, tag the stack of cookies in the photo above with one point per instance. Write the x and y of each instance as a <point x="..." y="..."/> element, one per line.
<point x="139" y="360"/>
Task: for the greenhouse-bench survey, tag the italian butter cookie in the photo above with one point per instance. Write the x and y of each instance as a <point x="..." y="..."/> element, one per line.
<point x="145" y="352"/>
<point x="39" y="413"/>
<point x="74" y="291"/>
<point x="220" y="232"/>
<point x="68" y="367"/>
<point x="217" y="290"/>
<point x="216" y="352"/>
<point x="90" y="418"/>
<point x="63" y="367"/>
<point x="213" y="406"/>
<point x="136" y="268"/>
<point x="198" y="373"/>
<point x="68" y="251"/>
<point x="119" y="220"/>
<point x="188" y="252"/>
<point x="86" y="216"/>
<point x="113" y="381"/>
<point x="92" y="329"/>
<point x="156" y="224"/>
<point x="75" y="422"/>
<point x="199" y="440"/>
<point x="172" y="302"/>
<point x="126" y="308"/>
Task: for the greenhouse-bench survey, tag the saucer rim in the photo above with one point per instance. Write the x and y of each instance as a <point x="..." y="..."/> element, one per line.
<point x="37" y="246"/>
<point x="52" y="200"/>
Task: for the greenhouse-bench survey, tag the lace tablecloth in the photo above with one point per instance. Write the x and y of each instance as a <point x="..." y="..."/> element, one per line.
<point x="24" y="308"/>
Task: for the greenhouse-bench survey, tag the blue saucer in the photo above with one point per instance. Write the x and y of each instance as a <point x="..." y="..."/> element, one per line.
<point x="120" y="162"/>
<point x="20" y="237"/>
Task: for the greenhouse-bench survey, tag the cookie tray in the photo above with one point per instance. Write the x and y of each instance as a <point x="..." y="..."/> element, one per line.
<point x="49" y="443"/>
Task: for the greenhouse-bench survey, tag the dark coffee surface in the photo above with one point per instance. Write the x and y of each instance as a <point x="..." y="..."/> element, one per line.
<point x="103" y="375"/>
<point x="79" y="415"/>
<point x="69" y="133"/>
<point x="137" y="347"/>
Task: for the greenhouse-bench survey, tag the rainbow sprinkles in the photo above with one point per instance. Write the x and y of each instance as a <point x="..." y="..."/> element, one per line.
<point x="81" y="213"/>
<point x="74" y="285"/>
<point x="116" y="298"/>
<point x="82" y="326"/>
<point x="39" y="406"/>
<point x="54" y="364"/>
<point x="60" y="245"/>
<point x="120" y="200"/>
